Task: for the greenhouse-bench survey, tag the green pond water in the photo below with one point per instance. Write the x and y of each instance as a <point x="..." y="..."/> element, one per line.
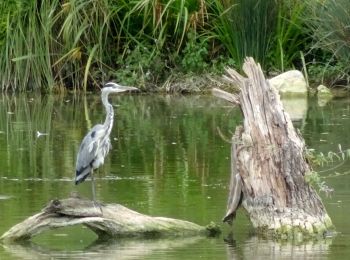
<point x="168" y="159"/>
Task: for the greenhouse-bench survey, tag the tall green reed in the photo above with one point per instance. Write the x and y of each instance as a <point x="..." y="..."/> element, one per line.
<point x="245" y="27"/>
<point x="24" y="62"/>
<point x="50" y="44"/>
<point x="290" y="36"/>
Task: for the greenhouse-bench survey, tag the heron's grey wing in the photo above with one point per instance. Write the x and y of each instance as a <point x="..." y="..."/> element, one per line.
<point x="88" y="152"/>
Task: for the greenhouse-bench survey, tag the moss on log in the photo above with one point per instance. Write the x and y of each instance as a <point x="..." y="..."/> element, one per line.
<point x="106" y="220"/>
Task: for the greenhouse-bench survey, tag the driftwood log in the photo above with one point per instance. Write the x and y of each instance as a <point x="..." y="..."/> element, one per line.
<point x="106" y="220"/>
<point x="268" y="165"/>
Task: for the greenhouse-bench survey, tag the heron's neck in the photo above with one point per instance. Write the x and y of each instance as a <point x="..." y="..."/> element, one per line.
<point x="109" y="113"/>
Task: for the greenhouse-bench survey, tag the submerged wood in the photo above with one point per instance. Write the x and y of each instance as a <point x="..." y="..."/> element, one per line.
<point x="106" y="220"/>
<point x="268" y="165"/>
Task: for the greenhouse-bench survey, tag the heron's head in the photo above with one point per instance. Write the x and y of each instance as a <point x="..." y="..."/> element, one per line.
<point x="112" y="87"/>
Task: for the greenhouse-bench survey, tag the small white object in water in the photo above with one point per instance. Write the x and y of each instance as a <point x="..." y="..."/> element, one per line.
<point x="5" y="197"/>
<point x="38" y="134"/>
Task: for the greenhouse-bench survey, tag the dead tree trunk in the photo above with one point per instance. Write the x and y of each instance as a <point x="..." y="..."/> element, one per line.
<point x="268" y="164"/>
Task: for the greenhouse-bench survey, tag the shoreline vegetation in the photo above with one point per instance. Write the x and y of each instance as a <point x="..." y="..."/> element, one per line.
<point x="179" y="46"/>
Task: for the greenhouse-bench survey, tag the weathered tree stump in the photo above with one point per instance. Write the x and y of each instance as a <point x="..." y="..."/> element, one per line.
<point x="106" y="220"/>
<point x="268" y="165"/>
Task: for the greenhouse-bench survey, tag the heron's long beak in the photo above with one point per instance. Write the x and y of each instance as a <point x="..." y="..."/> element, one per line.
<point x="125" y="88"/>
<point x="114" y="87"/>
<point x="131" y="88"/>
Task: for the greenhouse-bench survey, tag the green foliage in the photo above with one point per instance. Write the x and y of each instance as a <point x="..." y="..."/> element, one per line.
<point x="330" y="73"/>
<point x="24" y="62"/>
<point x="195" y="53"/>
<point x="166" y="22"/>
<point x="321" y="159"/>
<point x="245" y="27"/>
<point x="78" y="44"/>
<point x="315" y="180"/>
<point x="6" y="10"/>
<point x="289" y="38"/>
<point x="139" y="66"/>
<point x="329" y="23"/>
<point x="49" y="43"/>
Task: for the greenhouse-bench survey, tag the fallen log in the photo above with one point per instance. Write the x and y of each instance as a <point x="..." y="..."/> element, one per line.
<point x="106" y="220"/>
<point x="268" y="165"/>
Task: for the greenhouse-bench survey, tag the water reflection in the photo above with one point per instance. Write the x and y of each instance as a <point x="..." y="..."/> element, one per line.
<point x="188" y="248"/>
<point x="122" y="249"/>
<point x="258" y="248"/>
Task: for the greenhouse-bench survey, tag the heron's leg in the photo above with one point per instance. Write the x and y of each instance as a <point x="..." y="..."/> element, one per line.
<point x="93" y="186"/>
<point x="94" y="192"/>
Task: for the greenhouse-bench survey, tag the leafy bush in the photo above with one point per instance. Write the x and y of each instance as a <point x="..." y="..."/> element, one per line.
<point x="331" y="73"/>
<point x="140" y="66"/>
<point x="195" y="53"/>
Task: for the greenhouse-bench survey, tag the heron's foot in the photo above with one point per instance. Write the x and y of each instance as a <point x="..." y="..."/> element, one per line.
<point x="98" y="205"/>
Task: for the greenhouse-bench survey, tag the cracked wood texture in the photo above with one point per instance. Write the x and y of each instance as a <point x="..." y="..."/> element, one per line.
<point x="106" y="220"/>
<point x="268" y="164"/>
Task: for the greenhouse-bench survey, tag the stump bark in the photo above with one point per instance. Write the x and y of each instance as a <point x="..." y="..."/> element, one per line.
<point x="268" y="165"/>
<point x="106" y="220"/>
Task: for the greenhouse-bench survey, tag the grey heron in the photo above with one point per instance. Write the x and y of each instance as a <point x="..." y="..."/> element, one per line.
<point x="96" y="143"/>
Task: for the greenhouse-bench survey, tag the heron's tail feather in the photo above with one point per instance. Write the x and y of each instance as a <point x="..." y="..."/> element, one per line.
<point x="82" y="174"/>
